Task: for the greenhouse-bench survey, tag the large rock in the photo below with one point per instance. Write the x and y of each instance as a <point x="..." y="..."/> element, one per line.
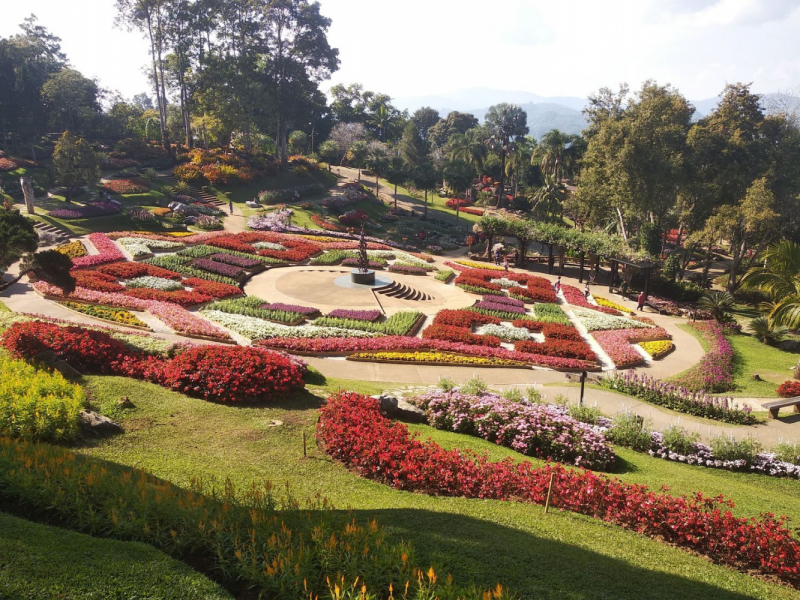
<point x="398" y="408"/>
<point x="98" y="425"/>
<point x="789" y="345"/>
<point x="50" y="359"/>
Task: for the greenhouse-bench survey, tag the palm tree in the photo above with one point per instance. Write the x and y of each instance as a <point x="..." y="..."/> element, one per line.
<point x="556" y="154"/>
<point x="381" y="119"/>
<point x="779" y="279"/>
<point x="550" y="197"/>
<point x="468" y="147"/>
<point x="767" y="331"/>
<point x="718" y="303"/>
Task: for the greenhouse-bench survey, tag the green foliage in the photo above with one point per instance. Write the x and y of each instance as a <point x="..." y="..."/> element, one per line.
<point x="17" y="236"/>
<point x="74" y="163"/>
<point x="550" y="313"/>
<point x="788" y="452"/>
<point x="399" y="323"/>
<point x="250" y="306"/>
<point x="51" y="266"/>
<point x="627" y="429"/>
<point x="728" y="448"/>
<point x="444" y="275"/>
<point x="513" y="394"/>
<point x="677" y="439"/>
<point x="37" y="405"/>
<point x="672" y="266"/>
<point x="474" y="386"/>
<point x="779" y="278"/>
<point x="585" y="414"/>
<point x="650" y="239"/>
<point x="719" y="304"/>
<point x="533" y="395"/>
<point x="445" y="384"/>
<point x="767" y="331"/>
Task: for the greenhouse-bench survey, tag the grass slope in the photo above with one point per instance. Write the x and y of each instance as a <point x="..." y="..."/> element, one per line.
<point x="42" y="562"/>
<point x="559" y="555"/>
<point x="751" y="357"/>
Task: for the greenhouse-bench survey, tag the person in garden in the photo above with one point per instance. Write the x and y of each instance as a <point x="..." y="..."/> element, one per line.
<point x="558" y="284"/>
<point x="641" y="300"/>
<point x="505" y="262"/>
<point x="586" y="291"/>
<point x="623" y="289"/>
<point x="230" y="206"/>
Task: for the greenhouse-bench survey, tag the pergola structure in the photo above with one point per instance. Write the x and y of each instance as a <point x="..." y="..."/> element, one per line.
<point x="646" y="266"/>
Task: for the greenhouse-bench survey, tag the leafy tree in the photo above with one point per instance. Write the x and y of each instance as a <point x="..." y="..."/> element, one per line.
<point x="52" y="266"/>
<point x="377" y="161"/>
<point x="298" y="142"/>
<point x="557" y="154"/>
<point x="71" y="101"/>
<point x="455" y="122"/>
<point x="357" y="155"/>
<point x="425" y="118"/>
<point x="344" y="135"/>
<point x="549" y="198"/>
<point x="469" y="147"/>
<point x="17" y="236"/>
<point x="491" y="227"/>
<point x="329" y="152"/>
<point x="425" y="178"/>
<point x="779" y="278"/>
<point x="396" y="174"/>
<point x="459" y="175"/>
<point x="413" y="148"/>
<point x="74" y="164"/>
<point x="505" y="122"/>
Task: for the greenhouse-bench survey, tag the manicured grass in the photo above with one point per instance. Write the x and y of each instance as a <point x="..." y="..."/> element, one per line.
<point x="42" y="562"/>
<point x="4" y="308"/>
<point x="555" y="555"/>
<point x="751" y="357"/>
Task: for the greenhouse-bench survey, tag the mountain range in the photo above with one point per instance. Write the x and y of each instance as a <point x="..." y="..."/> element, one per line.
<point x="544" y="112"/>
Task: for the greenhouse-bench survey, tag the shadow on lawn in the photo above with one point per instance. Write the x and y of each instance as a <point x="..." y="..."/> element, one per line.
<point x="486" y="553"/>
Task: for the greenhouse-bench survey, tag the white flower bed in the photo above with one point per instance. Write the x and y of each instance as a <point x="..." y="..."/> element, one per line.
<point x="268" y="246"/>
<point x="154" y="283"/>
<point x="258" y="329"/>
<point x="138" y="247"/>
<point x="594" y="321"/>
<point x="505" y="333"/>
<point x="506" y="283"/>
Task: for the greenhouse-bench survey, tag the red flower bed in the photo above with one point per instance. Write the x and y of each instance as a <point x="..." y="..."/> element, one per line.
<point x="472" y="211"/>
<point x="789" y="389"/>
<point x="132" y="270"/>
<point x="465" y="279"/>
<point x="353" y="431"/>
<point x="463" y="318"/>
<point x="99" y="282"/>
<point x="220" y="373"/>
<point x="453" y="202"/>
<point x="558" y="348"/>
<point x="211" y="288"/>
<point x="6" y="164"/>
<point x="298" y="249"/>
<point x="320" y="222"/>
<point x="561" y="332"/>
<point x="535" y="294"/>
<point x="131" y="185"/>
<point x="231" y="374"/>
<point x="532" y="326"/>
<point x="459" y="335"/>
<point x="487" y="274"/>
<point x="179" y="297"/>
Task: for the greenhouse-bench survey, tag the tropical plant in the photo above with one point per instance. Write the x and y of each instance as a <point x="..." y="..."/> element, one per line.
<point x="767" y="331"/>
<point x="550" y="197"/>
<point x="74" y="164"/>
<point x="779" y="278"/>
<point x="557" y="154"/>
<point x="718" y="303"/>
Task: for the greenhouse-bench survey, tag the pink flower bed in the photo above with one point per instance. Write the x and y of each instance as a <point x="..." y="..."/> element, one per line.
<point x="108" y="252"/>
<point x="575" y="297"/>
<point x="617" y="343"/>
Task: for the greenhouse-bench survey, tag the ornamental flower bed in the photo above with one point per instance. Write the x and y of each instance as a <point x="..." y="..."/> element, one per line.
<point x="138" y="247"/>
<point x="679" y="398"/>
<point x="476" y="265"/>
<point x="74" y="249"/>
<point x="107" y="252"/>
<point x="97" y="281"/>
<point x="459" y="335"/>
<point x="372" y="264"/>
<point x="461" y="202"/>
<point x="789" y="389"/>
<point x="434" y="357"/>
<point x="476" y="286"/>
<point x="463" y="318"/>
<point x="617" y="345"/>
<point x="504" y="333"/>
<point x="714" y="373"/>
<point x="223" y="374"/>
<point x="408" y="269"/>
<point x="490" y="304"/>
<point x="293" y="308"/>
<point x="131" y="185"/>
<point x="551" y="313"/>
<point x="131" y="270"/>
<point x="258" y="329"/>
<point x="153" y="283"/>
<point x="539" y="430"/>
<point x="611" y="304"/>
<point x="93" y="209"/>
<point x="505" y="301"/>
<point x="219" y="268"/>
<point x="352" y="431"/>
<point x="237" y="261"/>
<point x="212" y="288"/>
<point x="594" y="321"/>
<point x="180" y="297"/>
<point x="658" y="349"/>
<point x="322" y="223"/>
<point x="357" y="315"/>
<point x="473" y="211"/>
<point x="559" y="348"/>
<point x="533" y="294"/>
<point x="575" y="297"/>
<point x="107" y="313"/>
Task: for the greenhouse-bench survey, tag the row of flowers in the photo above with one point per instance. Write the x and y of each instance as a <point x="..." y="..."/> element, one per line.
<point x="657" y="349"/>
<point x="539" y="430"/>
<point x="107" y="252"/>
<point x="352" y="430"/>
<point x="107" y="313"/>
<point x="357" y="315"/>
<point x="434" y="357"/>
<point x="617" y="344"/>
<point x="594" y="321"/>
<point x="679" y="398"/>
<point x="74" y="249"/>
<point x="575" y="297"/>
<point x="259" y="329"/>
<point x="714" y="372"/>
<point x="86" y="211"/>
<point x="140" y="247"/>
<point x="579" y="350"/>
<point x="226" y="374"/>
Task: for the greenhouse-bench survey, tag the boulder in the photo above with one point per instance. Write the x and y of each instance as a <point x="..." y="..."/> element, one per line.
<point x="50" y="359"/>
<point x="252" y="204"/>
<point x="98" y="425"/>
<point x="398" y="408"/>
<point x="789" y="345"/>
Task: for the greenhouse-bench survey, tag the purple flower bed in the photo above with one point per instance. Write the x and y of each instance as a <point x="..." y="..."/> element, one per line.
<point x="217" y="267"/>
<point x="679" y="398"/>
<point x="293" y="308"/>
<point x="408" y="269"/>
<point x="238" y="261"/>
<point x="95" y="209"/>
<point x="490" y="303"/>
<point x="540" y="430"/>
<point x="357" y="315"/>
<point x="353" y="262"/>
<point x="714" y="373"/>
<point x="500" y="299"/>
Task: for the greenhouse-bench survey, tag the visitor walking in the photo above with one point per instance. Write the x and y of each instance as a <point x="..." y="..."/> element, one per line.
<point x="641" y="300"/>
<point x="586" y="291"/>
<point x="230" y="206"/>
<point x="505" y="263"/>
<point x="558" y="284"/>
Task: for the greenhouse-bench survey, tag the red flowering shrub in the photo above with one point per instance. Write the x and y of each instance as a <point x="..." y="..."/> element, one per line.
<point x="320" y="222"/>
<point x="453" y="202"/>
<point x="532" y="326"/>
<point x="132" y="270"/>
<point x="789" y="389"/>
<point x="459" y="335"/>
<point x="466" y="280"/>
<point x="561" y="332"/>
<point x="180" y="297"/>
<point x="558" y="348"/>
<point x="84" y="349"/>
<point x="98" y="282"/>
<point x="297" y="249"/>
<point x="190" y="173"/>
<point x="352" y="430"/>
<point x="473" y="211"/>
<point x="211" y="288"/>
<point x="6" y="164"/>
<point x="232" y="374"/>
<point x="463" y="318"/>
<point x="534" y="294"/>
<point x="131" y="185"/>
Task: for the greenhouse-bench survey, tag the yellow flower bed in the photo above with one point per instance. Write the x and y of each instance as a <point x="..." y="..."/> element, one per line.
<point x="610" y="304"/>
<point x="323" y="238"/>
<point x="118" y="315"/>
<point x="37" y="405"/>
<point x="436" y="357"/>
<point x="657" y="349"/>
<point x="161" y="212"/>
<point x="177" y="234"/>
<point x="73" y="249"/>
<point x="479" y="265"/>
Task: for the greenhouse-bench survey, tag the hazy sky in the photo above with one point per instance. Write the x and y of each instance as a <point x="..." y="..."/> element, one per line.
<point x="552" y="47"/>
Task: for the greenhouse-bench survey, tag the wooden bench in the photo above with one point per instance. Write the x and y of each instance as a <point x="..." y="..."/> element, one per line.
<point x="774" y="407"/>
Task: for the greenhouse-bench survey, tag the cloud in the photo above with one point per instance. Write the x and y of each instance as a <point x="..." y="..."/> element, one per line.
<point x="723" y="13"/>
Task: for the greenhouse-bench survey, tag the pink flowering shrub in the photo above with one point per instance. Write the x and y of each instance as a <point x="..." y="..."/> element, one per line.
<point x="714" y="373"/>
<point x="108" y="252"/>
<point x="575" y="297"/>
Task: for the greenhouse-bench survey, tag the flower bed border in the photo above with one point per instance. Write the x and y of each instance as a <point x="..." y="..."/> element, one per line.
<point x="117" y="323"/>
<point x="438" y="364"/>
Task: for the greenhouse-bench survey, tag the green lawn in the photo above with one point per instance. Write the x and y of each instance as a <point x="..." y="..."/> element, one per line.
<point x="42" y="562"/>
<point x="751" y="357"/>
<point x="479" y="541"/>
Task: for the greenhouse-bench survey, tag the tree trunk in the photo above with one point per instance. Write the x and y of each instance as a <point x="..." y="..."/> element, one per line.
<point x="501" y="195"/>
<point x="623" y="231"/>
<point x="395" y="196"/>
<point x="426" y="205"/>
